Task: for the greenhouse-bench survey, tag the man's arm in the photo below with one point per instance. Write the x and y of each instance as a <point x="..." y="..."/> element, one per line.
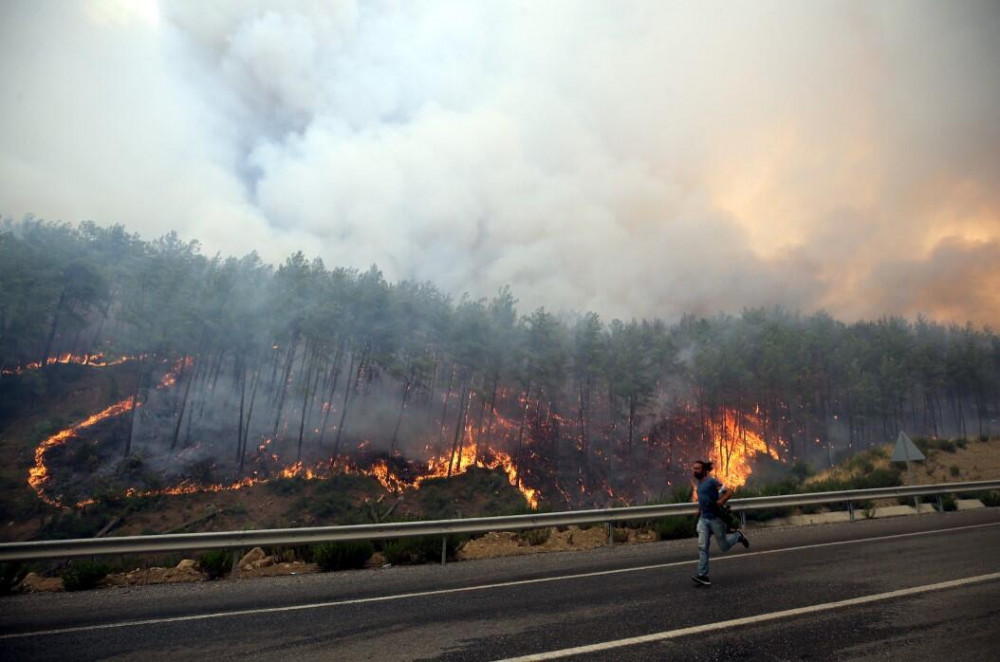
<point x="724" y="497"/>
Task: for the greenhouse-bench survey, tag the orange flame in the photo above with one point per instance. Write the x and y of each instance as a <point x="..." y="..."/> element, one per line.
<point x="734" y="448"/>
<point x="462" y="459"/>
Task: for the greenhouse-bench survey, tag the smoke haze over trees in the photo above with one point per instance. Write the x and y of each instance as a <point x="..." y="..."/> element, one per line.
<point x="836" y="156"/>
<point x="313" y="362"/>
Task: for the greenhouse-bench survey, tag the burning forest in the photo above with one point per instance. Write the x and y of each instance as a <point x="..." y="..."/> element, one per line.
<point x="230" y="373"/>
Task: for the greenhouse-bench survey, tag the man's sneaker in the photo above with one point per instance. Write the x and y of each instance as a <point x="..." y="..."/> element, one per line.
<point x="743" y="539"/>
<point x="702" y="580"/>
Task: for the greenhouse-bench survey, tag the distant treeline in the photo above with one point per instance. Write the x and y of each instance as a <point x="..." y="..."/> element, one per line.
<point x="576" y="389"/>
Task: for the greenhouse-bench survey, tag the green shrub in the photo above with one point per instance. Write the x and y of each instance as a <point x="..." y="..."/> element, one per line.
<point x="82" y="575"/>
<point x="535" y="537"/>
<point x="420" y="550"/>
<point x="342" y="555"/>
<point x="961" y="442"/>
<point x="990" y="499"/>
<point x="947" y="445"/>
<point x="983" y="438"/>
<point x="619" y="534"/>
<point x="10" y="574"/>
<point x="868" y="509"/>
<point x="955" y="470"/>
<point x="673" y="528"/>
<point x="215" y="562"/>
<point x="948" y="503"/>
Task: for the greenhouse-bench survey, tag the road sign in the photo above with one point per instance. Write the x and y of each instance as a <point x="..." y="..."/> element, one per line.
<point x="906" y="450"/>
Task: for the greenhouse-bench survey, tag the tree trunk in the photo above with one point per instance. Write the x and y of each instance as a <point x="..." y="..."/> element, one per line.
<point x="289" y="360"/>
<point x="135" y="404"/>
<point x="184" y="401"/>
<point x="334" y="378"/>
<point x="458" y="428"/>
<point x="52" y="329"/>
<point x="246" y="428"/>
<point x="343" y="413"/>
<point x="402" y="409"/>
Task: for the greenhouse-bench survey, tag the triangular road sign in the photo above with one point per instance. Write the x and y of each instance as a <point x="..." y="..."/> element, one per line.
<point x="906" y="450"/>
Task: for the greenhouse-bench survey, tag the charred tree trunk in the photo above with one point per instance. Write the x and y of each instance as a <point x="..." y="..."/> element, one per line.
<point x="246" y="428"/>
<point x="343" y="414"/>
<point x="53" y="328"/>
<point x="482" y="417"/>
<point x="239" y="427"/>
<point x="458" y="428"/>
<point x="520" y="433"/>
<point x="305" y="402"/>
<point x="184" y="402"/>
<point x="402" y="409"/>
<point x="334" y="378"/>
<point x="447" y="397"/>
<point x="135" y="404"/>
<point x="289" y="360"/>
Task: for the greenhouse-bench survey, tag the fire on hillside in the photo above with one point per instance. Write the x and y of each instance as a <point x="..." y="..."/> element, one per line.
<point x="735" y="445"/>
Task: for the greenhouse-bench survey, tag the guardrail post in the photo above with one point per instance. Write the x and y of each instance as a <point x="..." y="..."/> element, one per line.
<point x="743" y="519"/>
<point x="850" y="509"/>
<point x="940" y="504"/>
<point x="611" y="533"/>
<point x="444" y="550"/>
<point x="234" y="571"/>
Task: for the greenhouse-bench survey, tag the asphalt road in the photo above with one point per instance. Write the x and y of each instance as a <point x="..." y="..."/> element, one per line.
<point x="909" y="588"/>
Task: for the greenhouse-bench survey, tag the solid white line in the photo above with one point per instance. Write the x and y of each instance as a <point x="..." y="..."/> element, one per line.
<point x="760" y="618"/>
<point x="466" y="589"/>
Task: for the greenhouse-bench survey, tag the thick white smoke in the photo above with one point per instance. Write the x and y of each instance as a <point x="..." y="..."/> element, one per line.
<point x="638" y="158"/>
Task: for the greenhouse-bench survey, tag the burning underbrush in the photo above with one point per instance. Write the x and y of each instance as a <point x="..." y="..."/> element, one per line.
<point x="176" y="448"/>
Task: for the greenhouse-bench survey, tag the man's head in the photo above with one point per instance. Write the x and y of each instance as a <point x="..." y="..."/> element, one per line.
<point x="701" y="469"/>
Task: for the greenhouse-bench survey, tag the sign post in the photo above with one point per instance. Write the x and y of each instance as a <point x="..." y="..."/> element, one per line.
<point x="907" y="451"/>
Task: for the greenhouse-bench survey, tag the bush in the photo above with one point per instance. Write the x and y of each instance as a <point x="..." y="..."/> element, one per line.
<point x="535" y="537"/>
<point x="619" y="534"/>
<point x="420" y="550"/>
<point x="215" y="562"/>
<point x="961" y="442"/>
<point x="82" y="575"/>
<point x="948" y="503"/>
<point x="983" y="438"/>
<point x="947" y="446"/>
<point x="955" y="470"/>
<point x="10" y="574"/>
<point x="673" y="528"/>
<point x="990" y="499"/>
<point x="342" y="555"/>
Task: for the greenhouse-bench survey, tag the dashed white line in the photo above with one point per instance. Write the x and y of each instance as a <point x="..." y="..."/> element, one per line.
<point x="467" y="589"/>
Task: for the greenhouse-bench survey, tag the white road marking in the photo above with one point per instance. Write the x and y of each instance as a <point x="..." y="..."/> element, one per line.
<point x="760" y="618"/>
<point x="467" y="589"/>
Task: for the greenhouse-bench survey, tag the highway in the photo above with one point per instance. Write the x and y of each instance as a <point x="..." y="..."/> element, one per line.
<point x="908" y="588"/>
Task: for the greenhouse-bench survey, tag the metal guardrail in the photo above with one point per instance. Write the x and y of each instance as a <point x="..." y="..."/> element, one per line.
<point x="46" y="549"/>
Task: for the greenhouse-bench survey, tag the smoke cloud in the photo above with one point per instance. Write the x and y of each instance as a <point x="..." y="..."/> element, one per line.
<point x="636" y="159"/>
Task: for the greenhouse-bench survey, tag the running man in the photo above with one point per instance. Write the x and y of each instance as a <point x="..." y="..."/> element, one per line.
<point x="711" y="496"/>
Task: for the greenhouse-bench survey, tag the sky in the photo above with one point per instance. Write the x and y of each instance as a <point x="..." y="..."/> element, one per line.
<point x="637" y="159"/>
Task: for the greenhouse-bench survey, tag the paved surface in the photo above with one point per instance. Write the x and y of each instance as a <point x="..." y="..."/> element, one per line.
<point x="486" y="610"/>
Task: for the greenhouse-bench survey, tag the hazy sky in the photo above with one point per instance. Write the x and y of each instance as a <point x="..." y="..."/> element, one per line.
<point x="632" y="158"/>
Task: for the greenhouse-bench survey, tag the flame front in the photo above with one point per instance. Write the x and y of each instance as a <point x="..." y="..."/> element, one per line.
<point x="734" y="448"/>
<point x="38" y="475"/>
<point x="465" y="457"/>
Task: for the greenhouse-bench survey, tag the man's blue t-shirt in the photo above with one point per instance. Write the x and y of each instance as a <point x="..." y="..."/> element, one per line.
<point x="708" y="495"/>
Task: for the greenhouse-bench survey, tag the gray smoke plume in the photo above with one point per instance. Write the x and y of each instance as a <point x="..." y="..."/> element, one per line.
<point x="638" y="158"/>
